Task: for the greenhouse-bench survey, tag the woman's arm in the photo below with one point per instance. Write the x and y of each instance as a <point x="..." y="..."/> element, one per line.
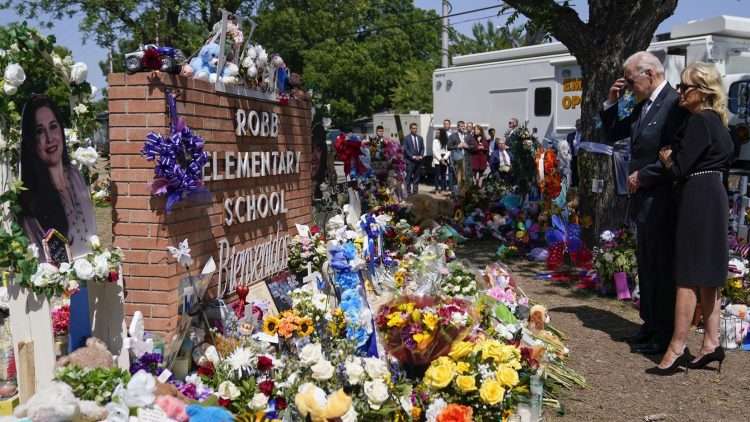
<point x="697" y="138"/>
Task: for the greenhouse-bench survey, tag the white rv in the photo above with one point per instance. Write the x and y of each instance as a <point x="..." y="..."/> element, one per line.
<point x="541" y="84"/>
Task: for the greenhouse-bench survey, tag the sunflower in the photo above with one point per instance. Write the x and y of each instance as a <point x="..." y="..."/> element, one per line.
<point x="270" y="325"/>
<point x="305" y="327"/>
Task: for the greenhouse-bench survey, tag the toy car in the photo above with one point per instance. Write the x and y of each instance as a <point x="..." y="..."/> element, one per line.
<point x="171" y="59"/>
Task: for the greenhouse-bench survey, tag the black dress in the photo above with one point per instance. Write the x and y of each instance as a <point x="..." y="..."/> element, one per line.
<point x="700" y="157"/>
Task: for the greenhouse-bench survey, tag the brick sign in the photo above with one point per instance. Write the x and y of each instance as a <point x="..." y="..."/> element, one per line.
<point x="258" y="176"/>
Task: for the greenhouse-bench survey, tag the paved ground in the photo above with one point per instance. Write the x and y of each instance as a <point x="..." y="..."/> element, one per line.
<point x="619" y="389"/>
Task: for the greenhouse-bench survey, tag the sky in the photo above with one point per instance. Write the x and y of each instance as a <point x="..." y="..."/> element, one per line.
<point x="87" y="51"/>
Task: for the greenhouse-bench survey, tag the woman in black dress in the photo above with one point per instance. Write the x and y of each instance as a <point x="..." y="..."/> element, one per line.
<point x="698" y="159"/>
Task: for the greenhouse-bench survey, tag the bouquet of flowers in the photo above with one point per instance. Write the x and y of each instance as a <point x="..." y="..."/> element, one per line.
<point x="307" y="250"/>
<point x="459" y="282"/>
<point x="523" y="150"/>
<point x="616" y="253"/>
<point x="61" y="320"/>
<point x="737" y="289"/>
<point x="416" y="330"/>
<point x="477" y="378"/>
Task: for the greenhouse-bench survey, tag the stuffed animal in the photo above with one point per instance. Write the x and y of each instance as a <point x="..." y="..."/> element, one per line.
<point x="311" y="401"/>
<point x="198" y="413"/>
<point x="55" y="402"/>
<point x="537" y="318"/>
<point x="94" y="355"/>
<point x="204" y="66"/>
<point x="174" y="408"/>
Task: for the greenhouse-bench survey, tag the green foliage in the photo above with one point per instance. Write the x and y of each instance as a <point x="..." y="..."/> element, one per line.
<point x="414" y="90"/>
<point x="358" y="56"/>
<point x="96" y="384"/>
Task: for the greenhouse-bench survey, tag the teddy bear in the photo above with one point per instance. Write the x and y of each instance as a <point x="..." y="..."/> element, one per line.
<point x="312" y="403"/>
<point x="55" y="402"/>
<point x="94" y="355"/>
<point x="204" y="66"/>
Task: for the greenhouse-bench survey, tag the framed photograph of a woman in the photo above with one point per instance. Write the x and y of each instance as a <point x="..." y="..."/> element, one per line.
<point x="56" y="209"/>
<point x="57" y="196"/>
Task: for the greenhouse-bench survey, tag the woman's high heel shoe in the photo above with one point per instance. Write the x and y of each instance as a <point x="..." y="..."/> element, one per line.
<point x="682" y="361"/>
<point x="716" y="356"/>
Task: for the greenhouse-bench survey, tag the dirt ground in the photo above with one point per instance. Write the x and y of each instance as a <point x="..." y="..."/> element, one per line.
<point x="619" y="389"/>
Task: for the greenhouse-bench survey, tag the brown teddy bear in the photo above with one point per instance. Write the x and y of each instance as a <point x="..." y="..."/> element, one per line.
<point x="94" y="355"/>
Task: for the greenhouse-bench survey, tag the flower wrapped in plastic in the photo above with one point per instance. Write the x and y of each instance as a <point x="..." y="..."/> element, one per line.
<point x="418" y="329"/>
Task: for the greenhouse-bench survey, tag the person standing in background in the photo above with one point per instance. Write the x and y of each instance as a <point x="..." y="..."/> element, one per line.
<point x="456" y="145"/>
<point x="512" y="126"/>
<point x="440" y="157"/>
<point x="414" y="150"/>
<point x="574" y="139"/>
<point x="478" y="149"/>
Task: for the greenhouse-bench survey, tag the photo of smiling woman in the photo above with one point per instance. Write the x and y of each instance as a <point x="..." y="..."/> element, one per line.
<point x="57" y="196"/>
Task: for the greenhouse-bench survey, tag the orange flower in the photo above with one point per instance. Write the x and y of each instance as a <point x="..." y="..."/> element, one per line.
<point x="456" y="413"/>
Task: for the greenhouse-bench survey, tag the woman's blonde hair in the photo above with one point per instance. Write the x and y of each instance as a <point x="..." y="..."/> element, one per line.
<point x="708" y="80"/>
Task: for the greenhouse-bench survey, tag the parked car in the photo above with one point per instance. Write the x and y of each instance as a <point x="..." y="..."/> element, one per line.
<point x="171" y="59"/>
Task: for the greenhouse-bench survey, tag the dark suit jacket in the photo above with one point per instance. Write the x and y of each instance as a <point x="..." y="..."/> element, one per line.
<point x="656" y="131"/>
<point x="410" y="151"/>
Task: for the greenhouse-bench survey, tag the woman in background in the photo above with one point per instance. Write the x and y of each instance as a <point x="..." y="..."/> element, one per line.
<point x="478" y="148"/>
<point x="440" y="157"/>
<point x="57" y="196"/>
<point x="697" y="160"/>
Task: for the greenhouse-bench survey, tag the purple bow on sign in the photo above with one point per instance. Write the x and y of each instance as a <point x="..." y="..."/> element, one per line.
<point x="180" y="158"/>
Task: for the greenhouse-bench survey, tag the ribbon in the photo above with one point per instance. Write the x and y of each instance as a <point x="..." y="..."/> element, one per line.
<point x="178" y="172"/>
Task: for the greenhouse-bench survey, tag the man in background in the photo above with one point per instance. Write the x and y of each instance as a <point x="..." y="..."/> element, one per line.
<point x="414" y="150"/>
<point x="456" y="145"/>
<point x="574" y="139"/>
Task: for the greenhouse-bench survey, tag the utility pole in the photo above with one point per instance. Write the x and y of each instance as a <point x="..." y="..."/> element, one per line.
<point x="446" y="11"/>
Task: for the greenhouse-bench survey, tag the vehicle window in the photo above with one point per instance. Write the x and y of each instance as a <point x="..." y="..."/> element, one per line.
<point x="543" y="101"/>
<point x="739" y="94"/>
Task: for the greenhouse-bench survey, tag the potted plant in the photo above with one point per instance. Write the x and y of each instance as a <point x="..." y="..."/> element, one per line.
<point x="615" y="261"/>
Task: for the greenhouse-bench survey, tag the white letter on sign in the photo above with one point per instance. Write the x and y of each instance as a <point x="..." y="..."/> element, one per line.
<point x="264" y="126"/>
<point x="241" y="121"/>
<point x="274" y="125"/>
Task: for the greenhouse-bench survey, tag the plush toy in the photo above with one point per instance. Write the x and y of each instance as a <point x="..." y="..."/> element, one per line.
<point x="311" y="401"/>
<point x="537" y="318"/>
<point x="173" y="408"/>
<point x="204" y="66"/>
<point x="94" y="355"/>
<point x="55" y="402"/>
<point x="198" y="413"/>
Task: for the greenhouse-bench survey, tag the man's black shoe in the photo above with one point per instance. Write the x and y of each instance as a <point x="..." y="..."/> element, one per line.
<point x="649" y="348"/>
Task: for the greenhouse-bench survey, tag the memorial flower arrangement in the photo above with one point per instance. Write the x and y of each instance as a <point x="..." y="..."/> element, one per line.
<point x="479" y="376"/>
<point x="523" y="166"/>
<point x="416" y="330"/>
<point x="615" y="253"/>
<point x="61" y="320"/>
<point x="307" y="251"/>
<point x="459" y="282"/>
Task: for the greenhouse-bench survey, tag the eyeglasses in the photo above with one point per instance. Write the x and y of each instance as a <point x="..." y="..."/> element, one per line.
<point x="684" y="87"/>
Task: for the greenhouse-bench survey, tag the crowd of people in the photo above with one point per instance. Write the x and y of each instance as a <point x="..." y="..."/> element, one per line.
<point x="462" y="156"/>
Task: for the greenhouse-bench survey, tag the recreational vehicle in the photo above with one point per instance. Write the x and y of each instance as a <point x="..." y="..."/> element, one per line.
<point x="542" y="85"/>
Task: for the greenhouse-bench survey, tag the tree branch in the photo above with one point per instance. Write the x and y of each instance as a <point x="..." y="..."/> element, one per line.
<point x="562" y="21"/>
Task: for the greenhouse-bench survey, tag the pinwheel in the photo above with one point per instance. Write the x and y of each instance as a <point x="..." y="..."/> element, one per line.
<point x="563" y="238"/>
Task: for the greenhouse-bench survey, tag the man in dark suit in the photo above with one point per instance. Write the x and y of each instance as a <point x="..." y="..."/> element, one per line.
<point x="574" y="139"/>
<point x="651" y="125"/>
<point x="413" y="145"/>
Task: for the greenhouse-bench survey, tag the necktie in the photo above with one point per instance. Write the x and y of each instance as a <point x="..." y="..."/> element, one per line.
<point x="414" y="141"/>
<point x="644" y="112"/>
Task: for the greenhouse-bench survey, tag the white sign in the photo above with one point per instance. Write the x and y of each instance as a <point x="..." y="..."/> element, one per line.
<point x="258" y="124"/>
